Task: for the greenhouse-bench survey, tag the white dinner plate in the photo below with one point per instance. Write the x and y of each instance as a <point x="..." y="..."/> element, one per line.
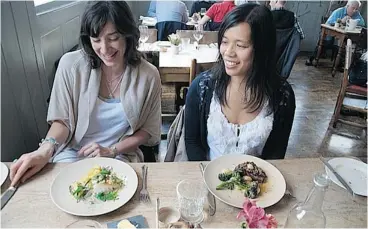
<point x="4" y="173"/>
<point x="354" y="172"/>
<point x="273" y="191"/>
<point x="62" y="198"/>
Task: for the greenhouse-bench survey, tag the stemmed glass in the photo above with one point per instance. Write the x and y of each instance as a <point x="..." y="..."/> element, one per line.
<point x="198" y="32"/>
<point x="144" y="34"/>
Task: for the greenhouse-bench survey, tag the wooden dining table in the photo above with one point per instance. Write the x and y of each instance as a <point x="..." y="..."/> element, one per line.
<point x="341" y="35"/>
<point x="32" y="207"/>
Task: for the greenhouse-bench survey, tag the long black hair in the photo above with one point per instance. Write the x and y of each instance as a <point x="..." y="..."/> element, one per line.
<point x="95" y="17"/>
<point x="262" y="81"/>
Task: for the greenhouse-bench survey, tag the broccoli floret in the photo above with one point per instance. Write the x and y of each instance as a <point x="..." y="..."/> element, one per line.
<point x="252" y="190"/>
<point x="225" y="175"/>
<point x="225" y="185"/>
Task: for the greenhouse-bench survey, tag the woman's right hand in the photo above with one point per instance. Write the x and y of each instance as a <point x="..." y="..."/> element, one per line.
<point x="30" y="163"/>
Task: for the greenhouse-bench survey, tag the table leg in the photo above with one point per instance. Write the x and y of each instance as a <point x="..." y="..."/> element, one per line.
<point x="338" y="57"/>
<point x="320" y="44"/>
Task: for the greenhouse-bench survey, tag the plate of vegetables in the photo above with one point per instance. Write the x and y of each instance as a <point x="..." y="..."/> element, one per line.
<point x="233" y="177"/>
<point x="94" y="186"/>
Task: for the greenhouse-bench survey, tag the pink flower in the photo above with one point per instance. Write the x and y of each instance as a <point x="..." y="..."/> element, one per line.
<point x="256" y="216"/>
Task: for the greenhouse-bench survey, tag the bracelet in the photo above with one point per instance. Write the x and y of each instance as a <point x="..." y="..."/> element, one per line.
<point x="49" y="140"/>
<point x="114" y="150"/>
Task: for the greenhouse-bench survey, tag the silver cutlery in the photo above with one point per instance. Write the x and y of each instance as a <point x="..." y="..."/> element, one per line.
<point x="7" y="196"/>
<point x="210" y="197"/>
<point x="144" y="195"/>
<point x="342" y="181"/>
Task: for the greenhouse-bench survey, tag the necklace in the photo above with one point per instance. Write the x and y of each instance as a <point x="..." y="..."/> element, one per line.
<point x="110" y="81"/>
<point x="111" y="92"/>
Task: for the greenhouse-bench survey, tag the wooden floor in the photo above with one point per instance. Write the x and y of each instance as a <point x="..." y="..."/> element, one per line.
<point x="316" y="93"/>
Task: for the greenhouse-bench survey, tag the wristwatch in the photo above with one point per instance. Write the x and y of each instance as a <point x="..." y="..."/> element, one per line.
<point x="114" y="150"/>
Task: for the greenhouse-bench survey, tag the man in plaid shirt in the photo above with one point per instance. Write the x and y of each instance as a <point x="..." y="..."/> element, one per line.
<point x="284" y="18"/>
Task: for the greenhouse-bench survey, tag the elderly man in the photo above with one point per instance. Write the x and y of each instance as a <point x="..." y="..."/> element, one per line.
<point x="284" y="18"/>
<point x="351" y="10"/>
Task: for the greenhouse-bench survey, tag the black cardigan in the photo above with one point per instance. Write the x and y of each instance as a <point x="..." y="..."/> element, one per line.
<point x="197" y="108"/>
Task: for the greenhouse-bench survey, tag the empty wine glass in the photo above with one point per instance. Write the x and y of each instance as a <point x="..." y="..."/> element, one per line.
<point x="144" y="34"/>
<point x="198" y="32"/>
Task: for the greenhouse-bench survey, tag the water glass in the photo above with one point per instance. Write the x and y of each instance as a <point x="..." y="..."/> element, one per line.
<point x="203" y="11"/>
<point x="191" y="195"/>
<point x="185" y="43"/>
<point x="86" y="223"/>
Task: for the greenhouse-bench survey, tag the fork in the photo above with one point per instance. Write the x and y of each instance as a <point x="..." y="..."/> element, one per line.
<point x="144" y="195"/>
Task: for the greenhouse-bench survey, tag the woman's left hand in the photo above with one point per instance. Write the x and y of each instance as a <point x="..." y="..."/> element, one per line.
<point x="95" y="150"/>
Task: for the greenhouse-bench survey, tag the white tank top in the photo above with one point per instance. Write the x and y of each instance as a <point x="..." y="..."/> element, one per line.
<point x="226" y="138"/>
<point x="107" y="123"/>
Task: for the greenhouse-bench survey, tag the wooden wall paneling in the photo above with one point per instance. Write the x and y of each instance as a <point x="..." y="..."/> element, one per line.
<point x="12" y="136"/>
<point x="71" y="33"/>
<point x="35" y="34"/>
<point x="17" y="77"/>
<point x="30" y="65"/>
<point x="52" y="50"/>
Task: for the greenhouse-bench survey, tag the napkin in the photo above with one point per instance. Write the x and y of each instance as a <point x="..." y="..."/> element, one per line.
<point x="138" y="221"/>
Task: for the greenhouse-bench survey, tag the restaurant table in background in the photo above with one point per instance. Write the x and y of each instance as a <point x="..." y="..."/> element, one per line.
<point x="339" y="33"/>
<point x="31" y="206"/>
<point x="151" y="21"/>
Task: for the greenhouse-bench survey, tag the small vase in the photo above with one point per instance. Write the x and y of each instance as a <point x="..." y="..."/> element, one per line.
<point x="175" y="49"/>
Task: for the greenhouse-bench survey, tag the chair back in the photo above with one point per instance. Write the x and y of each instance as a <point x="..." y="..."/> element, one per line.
<point x="208" y="36"/>
<point x="287" y="50"/>
<point x="178" y="74"/>
<point x="165" y="28"/>
<point x="152" y="35"/>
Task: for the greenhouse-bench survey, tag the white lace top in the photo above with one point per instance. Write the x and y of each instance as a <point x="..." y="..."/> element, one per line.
<point x="224" y="137"/>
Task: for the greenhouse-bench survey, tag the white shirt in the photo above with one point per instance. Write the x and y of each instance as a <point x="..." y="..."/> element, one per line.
<point x="107" y="124"/>
<point x="224" y="137"/>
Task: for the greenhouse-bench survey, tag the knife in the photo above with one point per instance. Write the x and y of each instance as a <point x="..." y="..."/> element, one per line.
<point x="7" y="196"/>
<point x="210" y="197"/>
<point x="342" y="181"/>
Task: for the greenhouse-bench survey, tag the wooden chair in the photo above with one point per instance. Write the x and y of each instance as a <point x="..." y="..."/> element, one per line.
<point x="347" y="90"/>
<point x="208" y="36"/>
<point x="181" y="77"/>
<point x="152" y="36"/>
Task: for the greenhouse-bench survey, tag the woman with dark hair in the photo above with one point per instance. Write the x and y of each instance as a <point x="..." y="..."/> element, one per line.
<point x="105" y="101"/>
<point x="240" y="106"/>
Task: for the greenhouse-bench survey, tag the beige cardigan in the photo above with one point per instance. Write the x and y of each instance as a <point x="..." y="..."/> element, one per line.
<point x="75" y="90"/>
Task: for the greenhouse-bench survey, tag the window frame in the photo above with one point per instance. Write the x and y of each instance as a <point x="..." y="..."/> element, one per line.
<point x="53" y="5"/>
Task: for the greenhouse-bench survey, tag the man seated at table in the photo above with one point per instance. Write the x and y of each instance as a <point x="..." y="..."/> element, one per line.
<point x="216" y="13"/>
<point x="171" y="11"/>
<point x="351" y="10"/>
<point x="284" y="18"/>
<point x="198" y="5"/>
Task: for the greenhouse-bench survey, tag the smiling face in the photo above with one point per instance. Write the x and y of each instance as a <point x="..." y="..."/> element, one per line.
<point x="109" y="46"/>
<point x="237" y="50"/>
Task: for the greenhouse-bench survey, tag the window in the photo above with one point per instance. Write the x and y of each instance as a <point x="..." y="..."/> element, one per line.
<point x="40" y="2"/>
<point x="43" y="6"/>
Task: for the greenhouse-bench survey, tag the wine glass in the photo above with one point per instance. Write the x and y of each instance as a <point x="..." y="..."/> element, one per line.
<point x="198" y="32"/>
<point x="144" y="34"/>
